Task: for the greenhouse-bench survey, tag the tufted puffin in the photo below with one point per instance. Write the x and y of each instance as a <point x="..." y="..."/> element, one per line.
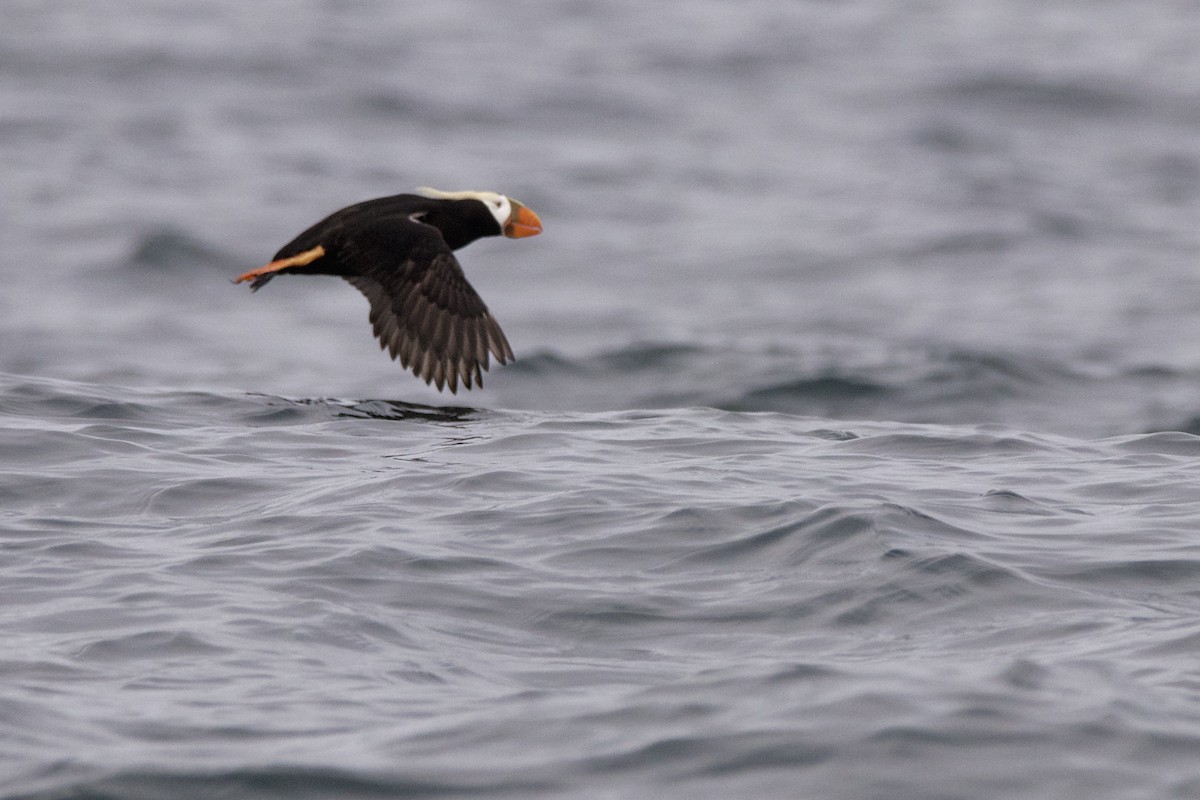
<point x="398" y="251"/>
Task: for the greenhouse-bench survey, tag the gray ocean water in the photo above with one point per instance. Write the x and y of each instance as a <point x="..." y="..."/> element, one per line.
<point x="850" y="451"/>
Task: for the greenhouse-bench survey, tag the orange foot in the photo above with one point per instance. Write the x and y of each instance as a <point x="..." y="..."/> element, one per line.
<point x="258" y="275"/>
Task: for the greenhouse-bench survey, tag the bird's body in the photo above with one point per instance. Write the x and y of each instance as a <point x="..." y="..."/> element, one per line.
<point x="398" y="251"/>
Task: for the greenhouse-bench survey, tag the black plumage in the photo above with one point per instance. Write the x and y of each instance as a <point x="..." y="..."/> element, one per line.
<point x="398" y="251"/>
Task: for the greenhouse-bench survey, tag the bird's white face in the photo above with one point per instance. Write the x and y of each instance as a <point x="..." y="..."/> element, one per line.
<point x="499" y="205"/>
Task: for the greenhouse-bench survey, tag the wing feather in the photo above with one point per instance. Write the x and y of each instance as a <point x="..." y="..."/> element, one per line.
<point x="423" y="310"/>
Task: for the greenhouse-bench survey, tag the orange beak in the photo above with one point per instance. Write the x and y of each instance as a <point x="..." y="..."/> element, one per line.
<point x="521" y="222"/>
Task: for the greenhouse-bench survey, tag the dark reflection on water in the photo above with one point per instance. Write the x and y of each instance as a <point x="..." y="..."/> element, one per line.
<point x="394" y="410"/>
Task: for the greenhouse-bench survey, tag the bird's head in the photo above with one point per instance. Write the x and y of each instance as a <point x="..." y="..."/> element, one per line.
<point x="513" y="218"/>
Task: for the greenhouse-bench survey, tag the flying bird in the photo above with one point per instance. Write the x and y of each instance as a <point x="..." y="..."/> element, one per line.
<point x="399" y="252"/>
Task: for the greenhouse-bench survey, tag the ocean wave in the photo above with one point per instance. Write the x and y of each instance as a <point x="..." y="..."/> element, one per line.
<point x="915" y="383"/>
<point x="299" y="781"/>
<point x="640" y="597"/>
<point x="1045" y="94"/>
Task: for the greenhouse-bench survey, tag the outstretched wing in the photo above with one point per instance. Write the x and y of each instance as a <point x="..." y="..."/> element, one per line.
<point x="423" y="310"/>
